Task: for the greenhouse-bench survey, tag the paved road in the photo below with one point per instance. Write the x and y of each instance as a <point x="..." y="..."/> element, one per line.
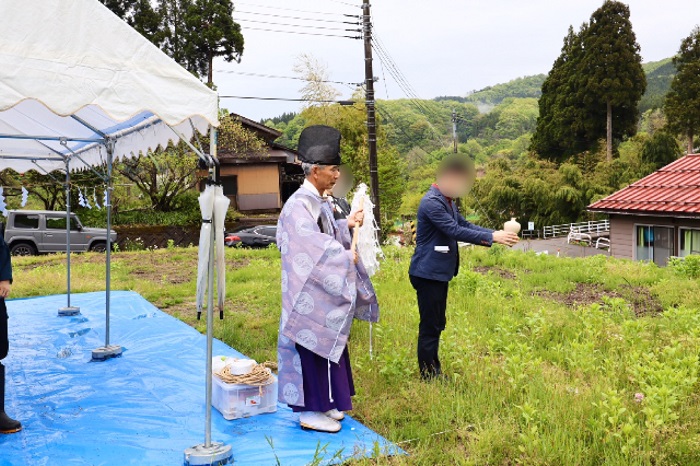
<point x="558" y="245"/>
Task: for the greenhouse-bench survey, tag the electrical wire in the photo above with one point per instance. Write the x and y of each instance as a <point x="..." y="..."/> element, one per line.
<point x="398" y="74"/>
<point x="354" y="5"/>
<point x="275" y="76"/>
<point x="399" y="78"/>
<point x="299" y="18"/>
<point x="286" y="99"/>
<point x="339" y="36"/>
<point x="272" y="23"/>
<point x="405" y="86"/>
<point x="293" y="9"/>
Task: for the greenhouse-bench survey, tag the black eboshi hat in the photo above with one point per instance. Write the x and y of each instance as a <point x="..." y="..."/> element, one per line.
<point x="320" y="145"/>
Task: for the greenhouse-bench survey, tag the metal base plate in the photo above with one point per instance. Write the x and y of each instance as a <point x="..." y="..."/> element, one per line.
<point x="68" y="311"/>
<point x="216" y="454"/>
<point x="106" y="352"/>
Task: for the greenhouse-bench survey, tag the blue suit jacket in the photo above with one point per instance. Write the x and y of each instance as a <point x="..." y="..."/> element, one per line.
<point x="5" y="261"/>
<point x="440" y="224"/>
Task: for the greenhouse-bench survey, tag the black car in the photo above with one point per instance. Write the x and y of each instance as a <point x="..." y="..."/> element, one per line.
<point x="259" y="236"/>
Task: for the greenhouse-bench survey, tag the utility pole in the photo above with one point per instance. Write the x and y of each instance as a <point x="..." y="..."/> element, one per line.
<point x="370" y="104"/>
<point x="458" y="201"/>
<point x="454" y="130"/>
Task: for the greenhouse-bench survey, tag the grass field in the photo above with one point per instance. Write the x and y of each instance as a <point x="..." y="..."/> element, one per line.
<point x="552" y="361"/>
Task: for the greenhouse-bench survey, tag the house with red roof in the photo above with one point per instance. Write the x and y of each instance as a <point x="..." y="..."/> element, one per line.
<point x="658" y="216"/>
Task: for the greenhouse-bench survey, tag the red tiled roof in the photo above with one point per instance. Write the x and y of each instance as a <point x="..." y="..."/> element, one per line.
<point x="674" y="189"/>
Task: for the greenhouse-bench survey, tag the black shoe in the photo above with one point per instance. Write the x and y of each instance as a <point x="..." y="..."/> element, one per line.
<point x="8" y="425"/>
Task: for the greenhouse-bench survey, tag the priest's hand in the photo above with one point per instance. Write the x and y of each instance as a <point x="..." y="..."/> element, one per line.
<point x="356" y="218"/>
<point x="505" y="237"/>
<point x="5" y="288"/>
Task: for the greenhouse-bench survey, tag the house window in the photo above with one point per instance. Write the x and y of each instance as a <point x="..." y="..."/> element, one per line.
<point x="690" y="242"/>
<point x="654" y="244"/>
<point x="230" y="185"/>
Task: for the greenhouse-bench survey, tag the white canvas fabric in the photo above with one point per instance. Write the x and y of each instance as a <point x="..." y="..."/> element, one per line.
<point x="72" y="69"/>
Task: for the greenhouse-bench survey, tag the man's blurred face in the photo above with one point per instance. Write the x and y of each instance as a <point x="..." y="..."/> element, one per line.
<point x="344" y="184"/>
<point x="324" y="177"/>
<point x="454" y="184"/>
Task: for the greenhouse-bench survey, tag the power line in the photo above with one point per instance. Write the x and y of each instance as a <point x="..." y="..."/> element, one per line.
<point x="275" y="76"/>
<point x="339" y="36"/>
<point x="405" y="86"/>
<point x="287" y="99"/>
<point x="402" y="81"/>
<point x="325" y="28"/>
<point x="346" y="3"/>
<point x="300" y="18"/>
<point x="294" y="10"/>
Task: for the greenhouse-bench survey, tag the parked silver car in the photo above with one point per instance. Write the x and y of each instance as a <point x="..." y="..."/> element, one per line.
<point x="31" y="232"/>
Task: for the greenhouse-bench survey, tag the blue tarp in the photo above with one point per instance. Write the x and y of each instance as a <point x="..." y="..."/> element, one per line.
<point x="143" y="408"/>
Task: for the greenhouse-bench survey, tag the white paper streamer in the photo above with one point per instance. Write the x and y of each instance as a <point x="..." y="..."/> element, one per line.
<point x="3" y="206"/>
<point x="82" y="200"/>
<point x="25" y="196"/>
<point x="368" y="247"/>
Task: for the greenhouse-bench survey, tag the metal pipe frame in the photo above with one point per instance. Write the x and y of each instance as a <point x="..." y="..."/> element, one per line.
<point x="209" y="452"/>
<point x="68" y="310"/>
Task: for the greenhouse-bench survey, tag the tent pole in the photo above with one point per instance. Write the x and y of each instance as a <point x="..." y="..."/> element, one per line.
<point x="68" y="310"/>
<point x="210" y="453"/>
<point x="108" y="351"/>
<point x="210" y="323"/>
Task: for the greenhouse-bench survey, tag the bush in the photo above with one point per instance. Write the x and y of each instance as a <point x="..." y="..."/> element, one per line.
<point x="688" y="266"/>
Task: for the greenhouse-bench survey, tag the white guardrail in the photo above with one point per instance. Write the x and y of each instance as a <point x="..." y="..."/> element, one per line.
<point x="596" y="227"/>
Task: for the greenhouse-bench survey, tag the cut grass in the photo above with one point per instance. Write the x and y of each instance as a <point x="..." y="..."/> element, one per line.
<point x="545" y="354"/>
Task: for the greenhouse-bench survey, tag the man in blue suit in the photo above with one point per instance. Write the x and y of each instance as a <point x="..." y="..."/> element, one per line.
<point x="436" y="258"/>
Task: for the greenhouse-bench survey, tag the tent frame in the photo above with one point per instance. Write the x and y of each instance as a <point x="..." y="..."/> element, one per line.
<point x="108" y="350"/>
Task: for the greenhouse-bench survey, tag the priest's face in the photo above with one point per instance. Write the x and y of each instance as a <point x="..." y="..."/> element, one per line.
<point x="324" y="177"/>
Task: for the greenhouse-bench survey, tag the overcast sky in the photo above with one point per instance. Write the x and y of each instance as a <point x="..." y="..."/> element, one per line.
<point x="443" y="47"/>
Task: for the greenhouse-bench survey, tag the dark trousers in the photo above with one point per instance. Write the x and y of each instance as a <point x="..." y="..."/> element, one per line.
<point x="4" y="339"/>
<point x="4" y="347"/>
<point x="432" y="303"/>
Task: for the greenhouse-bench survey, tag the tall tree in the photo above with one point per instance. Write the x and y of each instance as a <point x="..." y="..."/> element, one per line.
<point x="141" y="15"/>
<point x="192" y="32"/>
<point x="214" y="33"/>
<point x="560" y="131"/>
<point x="682" y="105"/>
<point x="612" y="66"/>
<point x="593" y="89"/>
<point x="660" y="150"/>
<point x="176" y="29"/>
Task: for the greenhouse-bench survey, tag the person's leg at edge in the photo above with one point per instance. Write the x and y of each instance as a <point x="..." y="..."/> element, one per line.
<point x="7" y="424"/>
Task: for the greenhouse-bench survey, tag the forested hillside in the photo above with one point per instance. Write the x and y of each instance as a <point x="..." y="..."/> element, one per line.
<point x="659" y="76"/>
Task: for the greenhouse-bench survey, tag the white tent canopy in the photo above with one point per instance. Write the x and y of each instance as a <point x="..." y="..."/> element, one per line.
<point x="73" y="76"/>
<point x="79" y="87"/>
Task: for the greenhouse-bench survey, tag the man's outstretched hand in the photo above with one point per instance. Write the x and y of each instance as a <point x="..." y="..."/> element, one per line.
<point x="505" y="237"/>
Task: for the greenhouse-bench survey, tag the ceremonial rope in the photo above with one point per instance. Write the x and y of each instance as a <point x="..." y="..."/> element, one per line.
<point x="260" y="376"/>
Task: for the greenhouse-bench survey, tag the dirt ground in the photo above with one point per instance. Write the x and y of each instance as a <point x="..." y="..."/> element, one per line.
<point x="642" y="301"/>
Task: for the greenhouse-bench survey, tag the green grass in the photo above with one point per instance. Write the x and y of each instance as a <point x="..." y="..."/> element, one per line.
<point x="546" y="355"/>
